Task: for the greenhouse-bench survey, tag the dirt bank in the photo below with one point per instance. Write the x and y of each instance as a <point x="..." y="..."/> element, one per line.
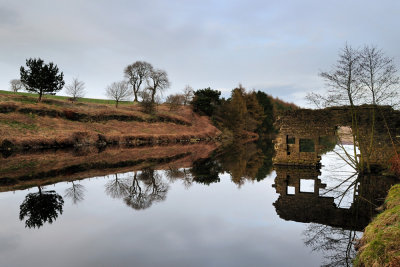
<point x="60" y="124"/>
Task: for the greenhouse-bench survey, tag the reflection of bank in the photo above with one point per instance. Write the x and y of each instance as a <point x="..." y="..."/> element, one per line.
<point x="300" y="199"/>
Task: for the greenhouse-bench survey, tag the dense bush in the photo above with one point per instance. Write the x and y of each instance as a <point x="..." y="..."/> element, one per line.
<point x="206" y="101"/>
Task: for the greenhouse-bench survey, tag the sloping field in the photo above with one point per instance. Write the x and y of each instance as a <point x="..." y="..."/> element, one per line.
<point x="54" y="123"/>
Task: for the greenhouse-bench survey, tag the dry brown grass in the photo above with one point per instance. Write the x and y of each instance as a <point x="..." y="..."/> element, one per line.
<point x="30" y="130"/>
<point x="26" y="170"/>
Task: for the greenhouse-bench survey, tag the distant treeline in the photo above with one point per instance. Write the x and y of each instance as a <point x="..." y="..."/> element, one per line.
<point x="244" y="112"/>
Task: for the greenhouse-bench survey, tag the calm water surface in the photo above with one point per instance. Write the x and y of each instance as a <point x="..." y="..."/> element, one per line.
<point x="168" y="217"/>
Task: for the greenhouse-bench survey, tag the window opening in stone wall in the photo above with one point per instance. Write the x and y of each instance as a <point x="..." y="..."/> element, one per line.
<point x="307" y="186"/>
<point x="290" y="140"/>
<point x="290" y="190"/>
<point x="307" y="145"/>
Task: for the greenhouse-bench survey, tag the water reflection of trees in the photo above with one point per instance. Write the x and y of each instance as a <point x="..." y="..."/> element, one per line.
<point x="76" y="192"/>
<point x="184" y="175"/>
<point x="140" y="189"/>
<point x="245" y="162"/>
<point x="146" y="188"/>
<point x="116" y="187"/>
<point x="41" y="207"/>
<point x="206" y="171"/>
<point x="336" y="244"/>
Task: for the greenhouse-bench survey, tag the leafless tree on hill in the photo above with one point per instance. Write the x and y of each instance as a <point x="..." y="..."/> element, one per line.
<point x="76" y="89"/>
<point x="118" y="91"/>
<point x="158" y="82"/>
<point x="16" y="85"/>
<point x="188" y="93"/>
<point x="136" y="74"/>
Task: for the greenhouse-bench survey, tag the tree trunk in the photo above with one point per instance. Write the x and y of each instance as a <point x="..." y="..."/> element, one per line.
<point x="40" y="96"/>
<point x="153" y="93"/>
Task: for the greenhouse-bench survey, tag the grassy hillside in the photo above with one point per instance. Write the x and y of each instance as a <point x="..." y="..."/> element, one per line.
<point x="56" y="122"/>
<point x="32" y="98"/>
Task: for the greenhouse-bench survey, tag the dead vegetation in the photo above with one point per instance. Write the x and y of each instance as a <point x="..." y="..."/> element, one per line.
<point x="57" y="123"/>
<point x="39" y="168"/>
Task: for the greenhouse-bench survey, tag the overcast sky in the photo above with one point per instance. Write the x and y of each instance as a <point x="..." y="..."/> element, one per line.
<point x="278" y="47"/>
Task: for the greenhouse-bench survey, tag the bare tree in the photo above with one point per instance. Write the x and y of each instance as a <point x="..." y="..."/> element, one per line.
<point x="343" y="81"/>
<point x="118" y="91"/>
<point x="76" y="89"/>
<point x="136" y="74"/>
<point x="16" y="85"/>
<point x="344" y="88"/>
<point x="158" y="81"/>
<point x="188" y="93"/>
<point x="379" y="76"/>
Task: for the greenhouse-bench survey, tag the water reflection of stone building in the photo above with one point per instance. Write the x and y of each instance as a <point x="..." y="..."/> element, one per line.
<point x="305" y="135"/>
<point x="309" y="205"/>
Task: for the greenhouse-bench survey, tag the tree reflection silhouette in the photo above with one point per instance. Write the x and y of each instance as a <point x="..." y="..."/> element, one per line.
<point x="241" y="161"/>
<point x="76" y="192"/>
<point x="117" y="188"/>
<point x="206" y="171"/>
<point x="185" y="175"/>
<point x="336" y="244"/>
<point x="41" y="207"/>
<point x="244" y="162"/>
<point x="145" y="189"/>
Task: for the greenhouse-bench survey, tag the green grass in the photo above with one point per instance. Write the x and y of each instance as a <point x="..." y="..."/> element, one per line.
<point x="20" y="125"/>
<point x="24" y="164"/>
<point x="33" y="98"/>
<point x="380" y="243"/>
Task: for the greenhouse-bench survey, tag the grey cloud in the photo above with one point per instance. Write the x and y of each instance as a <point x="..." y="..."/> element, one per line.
<point x="8" y="17"/>
<point x="202" y="43"/>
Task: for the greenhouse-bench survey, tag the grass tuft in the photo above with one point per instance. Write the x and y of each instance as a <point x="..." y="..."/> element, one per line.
<point x="380" y="244"/>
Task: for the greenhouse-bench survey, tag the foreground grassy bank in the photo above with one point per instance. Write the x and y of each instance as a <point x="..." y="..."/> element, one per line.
<point x="380" y="244"/>
<point x="56" y="122"/>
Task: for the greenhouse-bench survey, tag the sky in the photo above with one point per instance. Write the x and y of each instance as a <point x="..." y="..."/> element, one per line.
<point x="278" y="47"/>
